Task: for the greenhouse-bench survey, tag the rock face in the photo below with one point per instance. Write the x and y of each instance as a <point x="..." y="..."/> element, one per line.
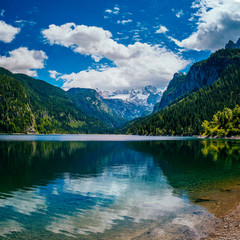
<point x="91" y="103"/>
<point x="200" y="75"/>
<point x="130" y="104"/>
<point x="231" y="44"/>
<point x="124" y="109"/>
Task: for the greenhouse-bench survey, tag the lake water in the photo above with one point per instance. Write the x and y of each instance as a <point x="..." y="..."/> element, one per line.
<point x="93" y="187"/>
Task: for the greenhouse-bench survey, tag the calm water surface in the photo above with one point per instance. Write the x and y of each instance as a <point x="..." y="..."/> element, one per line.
<point x="61" y="186"/>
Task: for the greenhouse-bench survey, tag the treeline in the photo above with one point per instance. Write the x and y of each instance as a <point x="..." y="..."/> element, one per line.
<point x="224" y="123"/>
<point x="186" y="116"/>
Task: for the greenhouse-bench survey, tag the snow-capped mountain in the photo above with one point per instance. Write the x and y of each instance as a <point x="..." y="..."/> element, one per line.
<point x="133" y="103"/>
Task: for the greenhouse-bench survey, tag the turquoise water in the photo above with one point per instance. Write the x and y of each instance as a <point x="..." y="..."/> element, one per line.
<point x="60" y="187"/>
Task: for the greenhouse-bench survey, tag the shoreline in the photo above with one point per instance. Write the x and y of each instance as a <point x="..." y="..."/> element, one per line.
<point x="216" y="137"/>
<point x="106" y="134"/>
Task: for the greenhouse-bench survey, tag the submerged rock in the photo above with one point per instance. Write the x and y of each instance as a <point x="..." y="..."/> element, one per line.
<point x="203" y="199"/>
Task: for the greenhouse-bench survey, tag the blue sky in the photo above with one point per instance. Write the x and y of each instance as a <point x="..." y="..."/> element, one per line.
<point x="112" y="44"/>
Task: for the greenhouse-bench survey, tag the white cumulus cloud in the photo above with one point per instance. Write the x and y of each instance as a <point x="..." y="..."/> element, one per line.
<point x="124" y="21"/>
<point x="162" y="29"/>
<point x="108" y="11"/>
<point x="25" y="61"/>
<point x="115" y="10"/>
<point x="92" y="41"/>
<point x="218" y="21"/>
<point x="54" y="74"/>
<point x="2" y="12"/>
<point x="7" y="32"/>
<point x="138" y="64"/>
<point x="179" y="13"/>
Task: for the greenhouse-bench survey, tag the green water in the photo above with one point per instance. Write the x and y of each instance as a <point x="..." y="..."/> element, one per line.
<point x="107" y="189"/>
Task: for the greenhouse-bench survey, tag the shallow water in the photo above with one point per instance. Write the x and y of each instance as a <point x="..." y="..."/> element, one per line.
<point x="76" y="186"/>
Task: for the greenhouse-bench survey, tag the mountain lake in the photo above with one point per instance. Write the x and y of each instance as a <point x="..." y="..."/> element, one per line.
<point x="115" y="186"/>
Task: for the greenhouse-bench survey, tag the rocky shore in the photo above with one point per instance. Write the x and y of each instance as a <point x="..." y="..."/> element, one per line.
<point x="222" y="223"/>
<point x="227" y="227"/>
<point x="225" y="205"/>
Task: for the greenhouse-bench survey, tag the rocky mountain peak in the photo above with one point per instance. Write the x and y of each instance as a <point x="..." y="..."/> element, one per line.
<point x="231" y="44"/>
<point x="178" y="74"/>
<point x="138" y="101"/>
<point x="150" y="89"/>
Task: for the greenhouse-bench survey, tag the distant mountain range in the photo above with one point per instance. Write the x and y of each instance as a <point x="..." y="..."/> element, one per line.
<point x="34" y="106"/>
<point x="30" y="105"/>
<point x="130" y="104"/>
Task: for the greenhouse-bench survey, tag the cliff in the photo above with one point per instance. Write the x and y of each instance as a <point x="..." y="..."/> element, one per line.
<point x="200" y="75"/>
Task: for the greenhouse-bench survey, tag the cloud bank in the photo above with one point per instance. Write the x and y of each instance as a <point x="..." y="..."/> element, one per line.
<point x="22" y="60"/>
<point x="136" y="65"/>
<point x="217" y="21"/>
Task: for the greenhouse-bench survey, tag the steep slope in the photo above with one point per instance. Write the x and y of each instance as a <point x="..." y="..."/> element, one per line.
<point x="15" y="111"/>
<point x="52" y="109"/>
<point x="90" y="102"/>
<point x="173" y="91"/>
<point x="185" y="117"/>
<point x="201" y="74"/>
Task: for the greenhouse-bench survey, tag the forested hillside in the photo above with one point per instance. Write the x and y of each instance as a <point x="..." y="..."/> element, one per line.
<point x="30" y="105"/>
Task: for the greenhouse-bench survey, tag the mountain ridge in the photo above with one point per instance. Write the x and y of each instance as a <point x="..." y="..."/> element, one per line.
<point x="32" y="105"/>
<point x="133" y="103"/>
<point x="91" y="103"/>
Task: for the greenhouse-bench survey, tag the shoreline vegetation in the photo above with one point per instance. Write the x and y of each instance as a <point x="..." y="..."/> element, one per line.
<point x="224" y="123"/>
